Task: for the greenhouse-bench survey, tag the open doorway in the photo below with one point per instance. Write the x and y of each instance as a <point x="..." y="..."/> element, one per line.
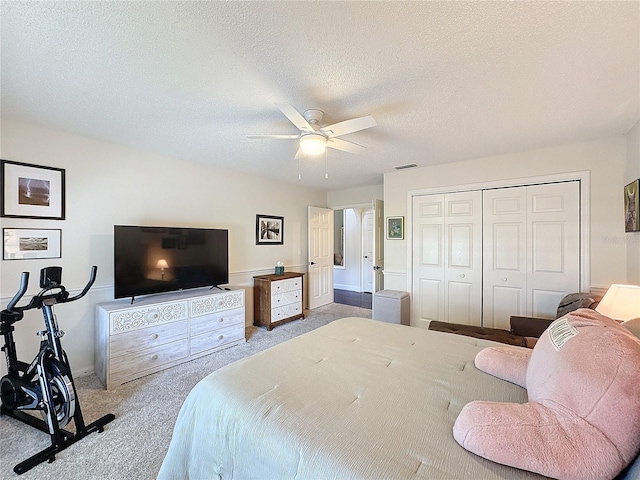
<point x="349" y="261"/>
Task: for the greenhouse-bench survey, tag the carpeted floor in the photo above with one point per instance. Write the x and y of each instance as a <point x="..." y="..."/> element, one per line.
<point x="134" y="444"/>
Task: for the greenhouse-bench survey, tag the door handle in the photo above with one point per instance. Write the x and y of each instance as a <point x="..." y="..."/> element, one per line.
<point x="312" y="263"/>
<point x="376" y="267"/>
<point x="366" y="256"/>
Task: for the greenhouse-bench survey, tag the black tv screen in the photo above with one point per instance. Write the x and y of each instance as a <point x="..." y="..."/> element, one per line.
<point x="163" y="259"/>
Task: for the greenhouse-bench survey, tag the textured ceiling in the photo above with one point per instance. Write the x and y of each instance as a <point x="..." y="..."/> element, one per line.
<point x="446" y="81"/>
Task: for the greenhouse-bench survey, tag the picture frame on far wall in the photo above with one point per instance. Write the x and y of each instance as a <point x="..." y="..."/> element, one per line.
<point x="32" y="191"/>
<point x="28" y="243"/>
<point x="395" y="228"/>
<point x="269" y="230"/>
<point x="632" y="207"/>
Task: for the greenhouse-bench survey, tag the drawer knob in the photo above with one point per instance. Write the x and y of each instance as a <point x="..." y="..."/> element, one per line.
<point x="154" y="336"/>
<point x="221" y="319"/>
<point x="220" y="337"/>
<point x="155" y="357"/>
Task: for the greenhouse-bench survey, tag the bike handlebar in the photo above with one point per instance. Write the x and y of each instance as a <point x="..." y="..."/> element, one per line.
<point x="37" y="301"/>
<point x="24" y="283"/>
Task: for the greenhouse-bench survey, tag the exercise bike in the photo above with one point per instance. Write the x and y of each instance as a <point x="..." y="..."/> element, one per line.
<point x="45" y="385"/>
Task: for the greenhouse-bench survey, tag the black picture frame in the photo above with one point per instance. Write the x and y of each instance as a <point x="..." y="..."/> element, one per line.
<point x="632" y="207"/>
<point x="32" y="191"/>
<point x="31" y="243"/>
<point x="269" y="230"/>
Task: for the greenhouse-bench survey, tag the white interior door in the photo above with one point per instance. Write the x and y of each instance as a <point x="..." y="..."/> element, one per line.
<point x="367" y="251"/>
<point x="378" y="245"/>
<point x="320" y="277"/>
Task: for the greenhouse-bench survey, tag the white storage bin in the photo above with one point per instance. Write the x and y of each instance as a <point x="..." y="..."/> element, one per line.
<point x="392" y="306"/>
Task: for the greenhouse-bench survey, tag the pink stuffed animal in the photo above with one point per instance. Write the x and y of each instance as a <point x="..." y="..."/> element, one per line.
<point x="582" y="420"/>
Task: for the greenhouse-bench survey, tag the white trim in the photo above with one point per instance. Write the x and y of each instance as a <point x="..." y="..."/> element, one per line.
<point x="583" y="176"/>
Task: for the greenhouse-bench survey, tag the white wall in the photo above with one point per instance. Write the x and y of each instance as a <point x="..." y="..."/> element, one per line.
<point x="351" y="197"/>
<point x="633" y="172"/>
<point x="605" y="159"/>
<point x="109" y="184"/>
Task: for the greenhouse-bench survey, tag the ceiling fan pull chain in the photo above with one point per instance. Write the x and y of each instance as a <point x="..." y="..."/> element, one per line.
<point x="299" y="176"/>
<point x="326" y="167"/>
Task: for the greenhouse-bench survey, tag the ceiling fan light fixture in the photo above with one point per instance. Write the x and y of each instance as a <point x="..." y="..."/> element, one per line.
<point x="313" y="144"/>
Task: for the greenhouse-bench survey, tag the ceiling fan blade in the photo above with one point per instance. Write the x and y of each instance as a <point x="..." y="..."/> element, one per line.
<point x="349" y="126"/>
<point x="280" y="137"/>
<point x="295" y="117"/>
<point x="345" y="146"/>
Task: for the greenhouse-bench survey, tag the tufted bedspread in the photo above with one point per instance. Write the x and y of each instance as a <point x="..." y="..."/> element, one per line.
<point x="355" y="399"/>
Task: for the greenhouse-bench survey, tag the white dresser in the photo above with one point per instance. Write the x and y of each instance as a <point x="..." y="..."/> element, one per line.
<point x="277" y="299"/>
<point x="160" y="331"/>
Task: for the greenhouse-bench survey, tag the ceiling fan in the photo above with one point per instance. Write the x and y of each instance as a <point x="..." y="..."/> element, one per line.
<point x="313" y="138"/>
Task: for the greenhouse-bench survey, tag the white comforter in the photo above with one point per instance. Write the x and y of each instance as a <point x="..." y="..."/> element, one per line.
<point x="356" y="399"/>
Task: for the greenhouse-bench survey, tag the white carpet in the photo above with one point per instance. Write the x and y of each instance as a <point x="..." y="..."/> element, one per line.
<point x="134" y="444"/>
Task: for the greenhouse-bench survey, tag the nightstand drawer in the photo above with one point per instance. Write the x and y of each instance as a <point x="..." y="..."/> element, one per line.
<point x="286" y="311"/>
<point x="286" y="285"/>
<point x="149" y="359"/>
<point x="217" y="338"/>
<point x="286" y="299"/>
<point x="130" y="342"/>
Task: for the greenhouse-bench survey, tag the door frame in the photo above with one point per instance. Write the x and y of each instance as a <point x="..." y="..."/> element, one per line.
<point x="583" y="176"/>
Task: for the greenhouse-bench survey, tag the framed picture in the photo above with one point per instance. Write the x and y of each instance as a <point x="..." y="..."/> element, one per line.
<point x="395" y="228"/>
<point x="25" y="243"/>
<point x="269" y="230"/>
<point x="632" y="207"/>
<point x="31" y="191"/>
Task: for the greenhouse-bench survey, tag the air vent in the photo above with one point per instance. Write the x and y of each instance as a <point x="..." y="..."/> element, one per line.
<point x="408" y="165"/>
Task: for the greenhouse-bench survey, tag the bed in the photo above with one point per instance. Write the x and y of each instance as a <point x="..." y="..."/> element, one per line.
<point x="356" y="399"/>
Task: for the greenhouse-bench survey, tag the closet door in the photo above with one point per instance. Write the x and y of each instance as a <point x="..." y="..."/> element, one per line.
<point x="505" y="255"/>
<point x="428" y="259"/>
<point x="447" y="258"/>
<point x="531" y="250"/>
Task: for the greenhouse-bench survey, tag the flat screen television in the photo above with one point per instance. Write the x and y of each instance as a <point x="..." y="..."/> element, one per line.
<point x="163" y="259"/>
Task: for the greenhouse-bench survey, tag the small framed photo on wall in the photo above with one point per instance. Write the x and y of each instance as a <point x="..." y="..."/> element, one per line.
<point x="395" y="228"/>
<point x="632" y="207"/>
<point x="26" y="243"/>
<point x="269" y="230"/>
<point x="31" y="191"/>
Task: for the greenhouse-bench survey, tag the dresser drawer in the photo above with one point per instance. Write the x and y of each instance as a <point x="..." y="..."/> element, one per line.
<point x="130" y="342"/>
<point x="142" y="317"/>
<point x="286" y="298"/>
<point x="133" y="364"/>
<point x="286" y="311"/>
<point x="217" y="338"/>
<point x="217" y="302"/>
<point x="286" y="285"/>
<point x="207" y="323"/>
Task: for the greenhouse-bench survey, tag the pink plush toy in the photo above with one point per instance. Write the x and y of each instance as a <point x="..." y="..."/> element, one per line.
<point x="582" y="420"/>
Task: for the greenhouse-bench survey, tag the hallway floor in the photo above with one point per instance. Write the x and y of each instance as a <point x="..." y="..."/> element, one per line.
<point x="355" y="299"/>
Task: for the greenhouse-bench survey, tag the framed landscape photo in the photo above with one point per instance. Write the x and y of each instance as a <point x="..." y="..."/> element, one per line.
<point x="632" y="207"/>
<point x="31" y="191"/>
<point x="395" y="228"/>
<point x="26" y="243"/>
<point x="269" y="230"/>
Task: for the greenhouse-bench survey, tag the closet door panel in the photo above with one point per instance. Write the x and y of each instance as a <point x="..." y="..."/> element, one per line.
<point x="429" y="259"/>
<point x="463" y="269"/>
<point x="504" y="255"/>
<point x="554" y="245"/>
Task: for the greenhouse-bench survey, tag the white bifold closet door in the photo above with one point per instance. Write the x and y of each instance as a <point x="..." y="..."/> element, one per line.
<point x="481" y="256"/>
<point x="447" y="258"/>
<point x="531" y="250"/>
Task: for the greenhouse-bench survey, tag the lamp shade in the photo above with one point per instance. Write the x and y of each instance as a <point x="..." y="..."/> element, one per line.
<point x="621" y="302"/>
<point x="162" y="263"/>
<point x="313" y="144"/>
